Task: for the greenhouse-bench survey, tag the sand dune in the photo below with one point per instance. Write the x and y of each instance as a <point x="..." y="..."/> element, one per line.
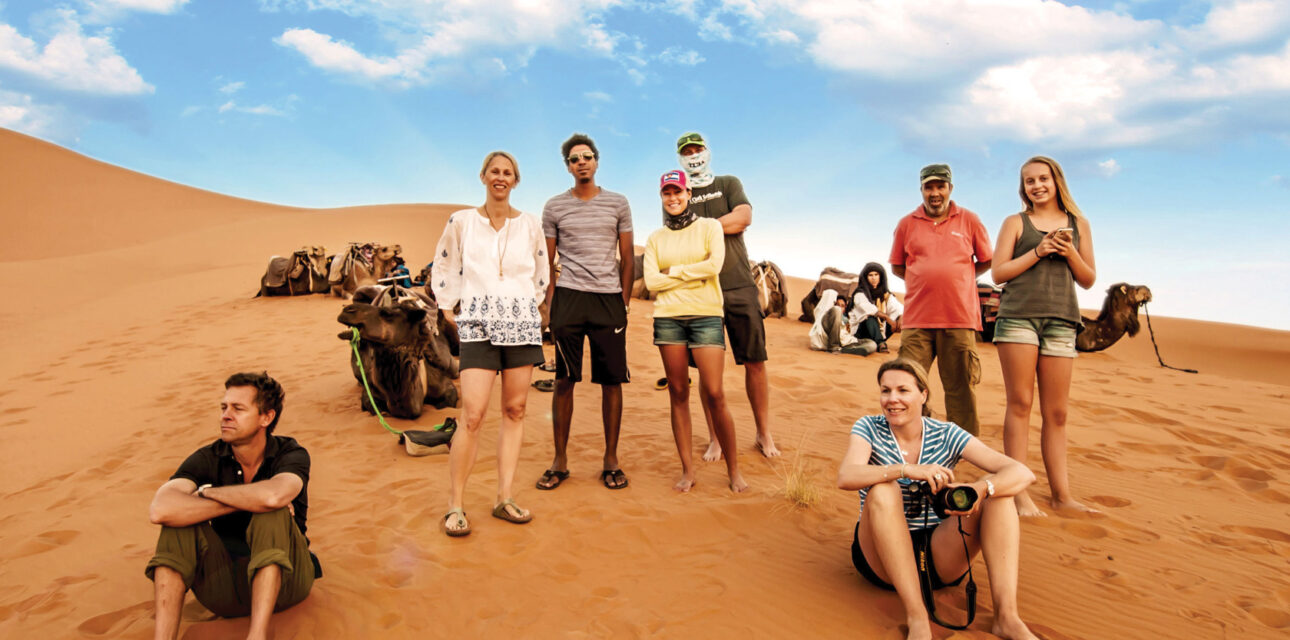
<point x="129" y="300"/>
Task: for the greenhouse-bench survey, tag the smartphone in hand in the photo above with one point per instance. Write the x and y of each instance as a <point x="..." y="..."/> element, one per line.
<point x="1066" y="234"/>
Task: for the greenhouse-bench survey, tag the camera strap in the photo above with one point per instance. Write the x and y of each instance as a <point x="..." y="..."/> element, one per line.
<point x="925" y="568"/>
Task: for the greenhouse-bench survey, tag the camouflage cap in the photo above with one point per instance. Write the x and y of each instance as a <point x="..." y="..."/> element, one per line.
<point x="935" y="172"/>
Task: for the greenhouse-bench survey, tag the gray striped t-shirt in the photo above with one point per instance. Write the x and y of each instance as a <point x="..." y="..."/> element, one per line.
<point x="943" y="444"/>
<point x="586" y="238"/>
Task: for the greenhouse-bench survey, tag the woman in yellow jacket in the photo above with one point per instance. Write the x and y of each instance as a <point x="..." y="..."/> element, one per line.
<point x="682" y="262"/>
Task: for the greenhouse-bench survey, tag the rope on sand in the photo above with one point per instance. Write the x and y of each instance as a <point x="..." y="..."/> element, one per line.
<point x="362" y="375"/>
<point x="1149" y="330"/>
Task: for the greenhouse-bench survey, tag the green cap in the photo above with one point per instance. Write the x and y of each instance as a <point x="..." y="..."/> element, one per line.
<point x="688" y="139"/>
<point x="935" y="172"/>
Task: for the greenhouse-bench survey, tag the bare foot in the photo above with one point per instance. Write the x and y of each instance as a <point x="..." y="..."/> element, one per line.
<point x="1026" y="506"/>
<point x="686" y="483"/>
<point x="1012" y="629"/>
<point x="713" y="453"/>
<point x="766" y="446"/>
<point x="737" y="483"/>
<point x="1072" y="505"/>
<point x="921" y="630"/>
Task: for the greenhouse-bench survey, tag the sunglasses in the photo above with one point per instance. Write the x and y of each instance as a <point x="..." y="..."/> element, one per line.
<point x="586" y="155"/>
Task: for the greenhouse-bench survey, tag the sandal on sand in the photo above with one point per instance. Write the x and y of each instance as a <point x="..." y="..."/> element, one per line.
<point x="613" y="479"/>
<point x="551" y="479"/>
<point x="463" y="525"/>
<point x="662" y="383"/>
<point x="544" y="385"/>
<point x="547" y="366"/>
<point x="500" y="511"/>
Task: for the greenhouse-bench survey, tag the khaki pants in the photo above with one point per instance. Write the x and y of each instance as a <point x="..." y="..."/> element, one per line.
<point x="222" y="583"/>
<point x="959" y="365"/>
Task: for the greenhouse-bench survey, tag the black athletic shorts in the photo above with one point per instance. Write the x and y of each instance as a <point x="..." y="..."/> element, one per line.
<point x="601" y="318"/>
<point x="744" y="325"/>
<point x="486" y="355"/>
<point x="917" y="537"/>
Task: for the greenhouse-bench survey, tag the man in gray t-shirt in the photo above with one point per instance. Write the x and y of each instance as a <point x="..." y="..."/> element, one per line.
<point x="589" y="228"/>
<point x="722" y="198"/>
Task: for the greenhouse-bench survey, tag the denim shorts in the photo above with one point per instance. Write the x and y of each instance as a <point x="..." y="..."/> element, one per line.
<point x="1053" y="336"/>
<point x="692" y="331"/>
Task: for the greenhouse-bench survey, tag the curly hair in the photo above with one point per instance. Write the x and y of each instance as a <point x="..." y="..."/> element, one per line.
<point x="575" y="140"/>
<point x="268" y="393"/>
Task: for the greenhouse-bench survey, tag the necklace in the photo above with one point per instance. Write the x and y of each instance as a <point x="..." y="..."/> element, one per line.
<point x="502" y="243"/>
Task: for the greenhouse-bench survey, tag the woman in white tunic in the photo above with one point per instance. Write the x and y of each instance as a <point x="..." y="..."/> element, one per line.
<point x="492" y="260"/>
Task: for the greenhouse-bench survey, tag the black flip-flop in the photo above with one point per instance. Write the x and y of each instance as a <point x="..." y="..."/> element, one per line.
<point x="547" y="385"/>
<point x="662" y="383"/>
<point x="614" y="476"/>
<point x="548" y="476"/>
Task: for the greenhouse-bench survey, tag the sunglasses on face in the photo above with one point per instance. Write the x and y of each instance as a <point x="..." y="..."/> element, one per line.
<point x="586" y="155"/>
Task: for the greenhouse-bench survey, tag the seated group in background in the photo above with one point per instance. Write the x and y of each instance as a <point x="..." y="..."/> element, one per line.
<point x="861" y="325"/>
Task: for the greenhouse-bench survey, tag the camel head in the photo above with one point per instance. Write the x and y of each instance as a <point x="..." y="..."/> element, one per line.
<point x="386" y="252"/>
<point x="1136" y="295"/>
<point x="1122" y="302"/>
<point x="399" y="326"/>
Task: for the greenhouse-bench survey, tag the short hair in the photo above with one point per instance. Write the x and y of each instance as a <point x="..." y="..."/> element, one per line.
<point x="1064" y="200"/>
<point x="913" y="369"/>
<point x="268" y="393"/>
<point x="575" y="140"/>
<point x="489" y="158"/>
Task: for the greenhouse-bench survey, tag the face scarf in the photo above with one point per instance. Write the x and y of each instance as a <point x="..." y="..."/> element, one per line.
<point x="679" y="221"/>
<point x="697" y="167"/>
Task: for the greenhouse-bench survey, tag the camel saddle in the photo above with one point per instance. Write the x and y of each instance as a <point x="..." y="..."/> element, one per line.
<point x="280" y="268"/>
<point x="837" y="280"/>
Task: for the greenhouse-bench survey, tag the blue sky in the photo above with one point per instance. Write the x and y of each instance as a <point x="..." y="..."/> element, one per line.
<point x="1170" y="118"/>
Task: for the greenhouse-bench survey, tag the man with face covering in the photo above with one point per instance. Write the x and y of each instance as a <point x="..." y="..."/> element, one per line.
<point x="939" y="249"/>
<point x="722" y="198"/>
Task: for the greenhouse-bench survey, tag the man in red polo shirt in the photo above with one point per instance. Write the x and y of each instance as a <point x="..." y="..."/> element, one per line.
<point x="938" y="250"/>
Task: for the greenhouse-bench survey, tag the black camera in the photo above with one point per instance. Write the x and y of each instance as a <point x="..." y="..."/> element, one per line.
<point x="960" y="498"/>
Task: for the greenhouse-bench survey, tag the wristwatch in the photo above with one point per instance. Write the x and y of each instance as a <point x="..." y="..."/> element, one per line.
<point x="201" y="491"/>
<point x="989" y="488"/>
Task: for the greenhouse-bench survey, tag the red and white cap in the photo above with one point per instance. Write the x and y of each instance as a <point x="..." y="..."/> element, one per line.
<point x="676" y="178"/>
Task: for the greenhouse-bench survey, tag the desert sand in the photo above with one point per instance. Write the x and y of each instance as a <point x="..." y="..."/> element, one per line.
<point x="129" y="300"/>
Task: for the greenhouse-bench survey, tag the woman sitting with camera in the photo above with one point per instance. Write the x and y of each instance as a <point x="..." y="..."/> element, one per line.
<point x="900" y="462"/>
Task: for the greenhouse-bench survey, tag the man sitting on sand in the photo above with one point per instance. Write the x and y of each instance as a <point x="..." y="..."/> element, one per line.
<point x="233" y="517"/>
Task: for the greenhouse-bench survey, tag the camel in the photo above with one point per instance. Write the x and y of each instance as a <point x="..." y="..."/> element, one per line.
<point x="405" y="356"/>
<point x="351" y="271"/>
<point x="638" y="279"/>
<point x="772" y="289"/>
<point x="301" y="274"/>
<point x="830" y="278"/>
<point x="1119" y="315"/>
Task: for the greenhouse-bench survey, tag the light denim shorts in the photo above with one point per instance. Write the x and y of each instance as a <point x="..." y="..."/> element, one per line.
<point x="1053" y="336"/>
<point x="693" y="331"/>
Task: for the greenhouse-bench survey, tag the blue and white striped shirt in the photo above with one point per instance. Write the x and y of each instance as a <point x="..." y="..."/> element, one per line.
<point x="943" y="444"/>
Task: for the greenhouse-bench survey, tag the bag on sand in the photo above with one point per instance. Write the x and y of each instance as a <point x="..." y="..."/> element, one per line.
<point x="424" y="443"/>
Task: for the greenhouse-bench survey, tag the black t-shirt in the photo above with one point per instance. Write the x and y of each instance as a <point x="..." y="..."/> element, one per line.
<point x="215" y="465"/>
<point x="716" y="200"/>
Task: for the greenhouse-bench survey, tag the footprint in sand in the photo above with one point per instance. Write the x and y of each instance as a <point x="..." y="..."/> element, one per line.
<point x="45" y="542"/>
<point x="1085" y="530"/>
<point x="1260" y="532"/>
<point x="1111" y="501"/>
<point x="104" y="624"/>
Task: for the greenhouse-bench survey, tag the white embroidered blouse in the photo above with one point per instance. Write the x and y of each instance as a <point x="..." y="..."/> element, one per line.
<point x="498" y="276"/>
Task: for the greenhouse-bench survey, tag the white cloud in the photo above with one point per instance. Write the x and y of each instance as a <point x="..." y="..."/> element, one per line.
<point x="18" y="111"/>
<point x="1109" y="167"/>
<point x="232" y="87"/>
<point x="598" y="96"/>
<point x="71" y="60"/>
<point x="678" y="55"/>
<point x="1240" y="21"/>
<point x="425" y="38"/>
<point x="149" y="6"/>
<point x="258" y="110"/>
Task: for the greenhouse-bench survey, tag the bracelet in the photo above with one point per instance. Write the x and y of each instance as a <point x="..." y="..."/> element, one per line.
<point x="1037" y="256"/>
<point x="902" y="470"/>
<point x="201" y="491"/>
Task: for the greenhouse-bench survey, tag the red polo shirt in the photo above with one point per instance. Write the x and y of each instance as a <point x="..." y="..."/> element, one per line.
<point x="940" y="258"/>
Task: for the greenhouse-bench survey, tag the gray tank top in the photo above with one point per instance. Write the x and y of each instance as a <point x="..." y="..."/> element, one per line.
<point x="1045" y="290"/>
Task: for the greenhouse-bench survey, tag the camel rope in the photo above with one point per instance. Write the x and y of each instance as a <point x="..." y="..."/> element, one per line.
<point x="1149" y="330"/>
<point x="362" y="375"/>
